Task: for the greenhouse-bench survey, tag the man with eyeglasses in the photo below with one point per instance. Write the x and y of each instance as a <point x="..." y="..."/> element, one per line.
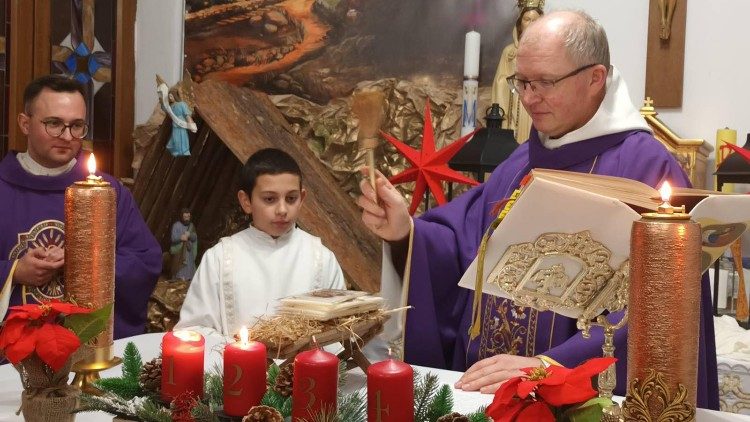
<point x="32" y="188"/>
<point x="583" y="121"/>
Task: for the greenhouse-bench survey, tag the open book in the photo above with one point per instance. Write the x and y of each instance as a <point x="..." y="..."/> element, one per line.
<point x="598" y="212"/>
<point x="329" y="303"/>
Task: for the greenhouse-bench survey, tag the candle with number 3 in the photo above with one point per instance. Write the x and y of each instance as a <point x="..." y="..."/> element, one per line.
<point x="315" y="384"/>
<point x="182" y="364"/>
<point x="244" y="375"/>
<point x="390" y="392"/>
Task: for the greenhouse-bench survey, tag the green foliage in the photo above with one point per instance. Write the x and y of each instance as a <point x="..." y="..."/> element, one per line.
<point x="425" y="387"/>
<point x="132" y="364"/>
<point x="214" y="387"/>
<point x="353" y="407"/>
<point x="202" y="412"/>
<point x="588" y="411"/>
<point x="120" y="386"/>
<point x="479" y="415"/>
<point x="87" y="326"/>
<point x="151" y="411"/>
<point x="441" y="404"/>
<point x="271" y="374"/>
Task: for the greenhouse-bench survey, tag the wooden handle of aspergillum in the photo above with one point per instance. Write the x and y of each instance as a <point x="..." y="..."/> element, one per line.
<point x="371" y="169"/>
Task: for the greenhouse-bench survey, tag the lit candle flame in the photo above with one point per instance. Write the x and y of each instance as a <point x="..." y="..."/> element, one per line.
<point x="244" y="334"/>
<point x="665" y="191"/>
<point x="186" y="335"/>
<point x="92" y="164"/>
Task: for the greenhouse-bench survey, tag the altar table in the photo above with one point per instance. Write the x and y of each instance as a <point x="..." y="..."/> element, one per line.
<point x="149" y="345"/>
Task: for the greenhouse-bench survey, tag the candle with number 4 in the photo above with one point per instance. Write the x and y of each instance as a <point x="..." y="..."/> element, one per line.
<point x="182" y="364"/>
<point x="315" y="384"/>
<point x="244" y="375"/>
<point x="390" y="392"/>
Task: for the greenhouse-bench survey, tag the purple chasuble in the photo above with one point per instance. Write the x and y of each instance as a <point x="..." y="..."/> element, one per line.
<point x="446" y="240"/>
<point x="33" y="215"/>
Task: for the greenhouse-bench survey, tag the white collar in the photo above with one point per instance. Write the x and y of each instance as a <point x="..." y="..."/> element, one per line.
<point x="615" y="114"/>
<point x="265" y="237"/>
<point x="31" y="166"/>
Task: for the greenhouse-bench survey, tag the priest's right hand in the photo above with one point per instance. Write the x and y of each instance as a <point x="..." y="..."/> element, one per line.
<point x="37" y="267"/>
<point x="386" y="214"/>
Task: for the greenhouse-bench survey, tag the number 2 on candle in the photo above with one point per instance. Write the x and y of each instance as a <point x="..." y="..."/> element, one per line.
<point x="310" y="388"/>
<point x="232" y="391"/>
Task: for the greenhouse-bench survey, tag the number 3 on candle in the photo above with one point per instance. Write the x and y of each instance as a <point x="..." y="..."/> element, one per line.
<point x="232" y="391"/>
<point x="310" y="388"/>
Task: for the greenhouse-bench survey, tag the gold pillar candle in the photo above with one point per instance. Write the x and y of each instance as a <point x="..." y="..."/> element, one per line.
<point x="90" y="215"/>
<point x="724" y="136"/>
<point x="664" y="316"/>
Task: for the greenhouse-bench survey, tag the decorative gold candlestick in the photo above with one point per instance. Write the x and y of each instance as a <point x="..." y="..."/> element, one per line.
<point x="664" y="316"/>
<point x="90" y="215"/>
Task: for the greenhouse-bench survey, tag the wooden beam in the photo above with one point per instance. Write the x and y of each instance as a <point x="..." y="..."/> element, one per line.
<point x="247" y="121"/>
<point x="124" y="83"/>
<point x="42" y="38"/>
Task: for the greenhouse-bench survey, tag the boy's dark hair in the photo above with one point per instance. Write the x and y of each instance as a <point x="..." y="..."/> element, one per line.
<point x="267" y="161"/>
<point x="56" y="83"/>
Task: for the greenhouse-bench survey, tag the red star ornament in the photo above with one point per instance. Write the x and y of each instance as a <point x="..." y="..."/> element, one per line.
<point x="739" y="150"/>
<point x="429" y="167"/>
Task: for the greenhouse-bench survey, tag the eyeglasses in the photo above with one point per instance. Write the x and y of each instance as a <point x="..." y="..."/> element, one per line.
<point x="56" y="128"/>
<point x="541" y="86"/>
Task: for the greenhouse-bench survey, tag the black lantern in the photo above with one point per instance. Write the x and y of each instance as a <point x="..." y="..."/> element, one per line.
<point x="490" y="146"/>
<point x="734" y="169"/>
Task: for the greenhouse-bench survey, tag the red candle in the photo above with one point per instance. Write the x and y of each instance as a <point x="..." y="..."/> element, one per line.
<point x="390" y="392"/>
<point x="316" y="375"/>
<point x="182" y="364"/>
<point x="244" y="375"/>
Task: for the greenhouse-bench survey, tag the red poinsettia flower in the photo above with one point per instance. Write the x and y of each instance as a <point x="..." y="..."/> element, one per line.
<point x="35" y="328"/>
<point x="529" y="397"/>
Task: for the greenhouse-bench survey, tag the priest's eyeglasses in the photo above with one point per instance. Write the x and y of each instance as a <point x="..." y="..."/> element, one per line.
<point x="56" y="128"/>
<point x="540" y="86"/>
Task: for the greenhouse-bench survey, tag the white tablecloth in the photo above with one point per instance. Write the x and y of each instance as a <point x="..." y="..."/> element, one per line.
<point x="148" y="345"/>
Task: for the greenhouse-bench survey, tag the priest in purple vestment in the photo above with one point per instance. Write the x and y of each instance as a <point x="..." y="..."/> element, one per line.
<point x="583" y="121"/>
<point x="32" y="232"/>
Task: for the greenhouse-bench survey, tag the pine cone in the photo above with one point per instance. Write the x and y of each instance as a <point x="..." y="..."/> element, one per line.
<point x="150" y="377"/>
<point x="263" y="414"/>
<point x="284" y="380"/>
<point x="453" y="417"/>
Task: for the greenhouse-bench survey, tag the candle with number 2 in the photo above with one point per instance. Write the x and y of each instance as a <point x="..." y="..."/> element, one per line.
<point x="315" y="384"/>
<point x="182" y="364"/>
<point x="244" y="375"/>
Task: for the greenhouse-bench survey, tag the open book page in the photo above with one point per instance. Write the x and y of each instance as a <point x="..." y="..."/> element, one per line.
<point x="548" y="207"/>
<point x="723" y="220"/>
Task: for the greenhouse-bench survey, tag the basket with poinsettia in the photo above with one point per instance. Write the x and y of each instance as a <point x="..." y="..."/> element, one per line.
<point x="551" y="394"/>
<point x="40" y="341"/>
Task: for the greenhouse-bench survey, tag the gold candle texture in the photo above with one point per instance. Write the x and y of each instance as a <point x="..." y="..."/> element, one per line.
<point x="90" y="214"/>
<point x="663" y="312"/>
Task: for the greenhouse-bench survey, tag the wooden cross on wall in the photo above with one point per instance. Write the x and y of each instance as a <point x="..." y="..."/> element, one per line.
<point x="665" y="57"/>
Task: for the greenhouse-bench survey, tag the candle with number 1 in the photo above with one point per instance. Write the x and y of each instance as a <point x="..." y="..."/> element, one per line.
<point x="244" y="375"/>
<point x="182" y="364"/>
<point x="390" y="392"/>
<point x="316" y="374"/>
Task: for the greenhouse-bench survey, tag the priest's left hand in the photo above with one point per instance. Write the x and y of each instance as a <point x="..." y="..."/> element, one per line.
<point x="488" y="374"/>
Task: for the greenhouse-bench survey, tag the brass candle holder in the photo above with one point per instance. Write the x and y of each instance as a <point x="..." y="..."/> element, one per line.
<point x="90" y="216"/>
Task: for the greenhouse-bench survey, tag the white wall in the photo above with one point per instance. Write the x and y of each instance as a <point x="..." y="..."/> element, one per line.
<point x="717" y="58"/>
<point x="158" y="50"/>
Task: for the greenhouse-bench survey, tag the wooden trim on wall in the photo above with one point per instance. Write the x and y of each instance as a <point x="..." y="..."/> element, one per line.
<point x="42" y="37"/>
<point x="124" y="87"/>
<point x="20" y="66"/>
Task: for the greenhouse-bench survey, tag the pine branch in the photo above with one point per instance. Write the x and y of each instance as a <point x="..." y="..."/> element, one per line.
<point x="353" y="407"/>
<point x="152" y="411"/>
<point x="272" y="373"/>
<point x="125" y="388"/>
<point x="131" y="362"/>
<point x="479" y="415"/>
<point x="214" y="387"/>
<point x="441" y="404"/>
<point x="425" y="387"/>
<point x="202" y="413"/>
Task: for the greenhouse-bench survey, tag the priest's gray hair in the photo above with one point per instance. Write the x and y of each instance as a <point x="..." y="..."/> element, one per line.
<point x="586" y="40"/>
